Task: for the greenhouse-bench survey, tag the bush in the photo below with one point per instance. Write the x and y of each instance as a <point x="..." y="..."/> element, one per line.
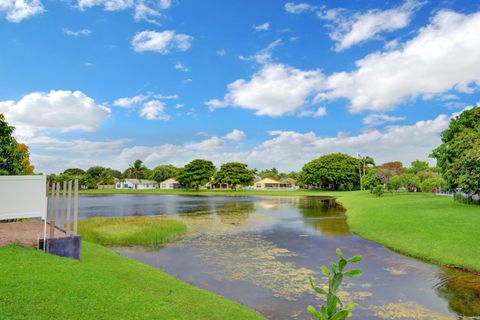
<point x="408" y="181"/>
<point x="433" y="184"/>
<point x="378" y="190"/>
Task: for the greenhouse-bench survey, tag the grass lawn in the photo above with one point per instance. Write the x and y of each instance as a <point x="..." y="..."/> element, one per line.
<point x="131" y="231"/>
<point x="104" y="285"/>
<point x="434" y="228"/>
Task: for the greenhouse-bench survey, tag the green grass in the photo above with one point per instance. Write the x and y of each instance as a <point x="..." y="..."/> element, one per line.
<point x="433" y="228"/>
<point x="103" y="285"/>
<point x="131" y="231"/>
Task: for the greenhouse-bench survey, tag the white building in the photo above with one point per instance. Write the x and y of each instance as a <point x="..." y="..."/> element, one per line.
<point x="136" y="184"/>
<point x="170" y="183"/>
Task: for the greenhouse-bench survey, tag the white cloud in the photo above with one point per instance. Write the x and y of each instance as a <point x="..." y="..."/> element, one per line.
<point x="154" y="110"/>
<point x="236" y="135"/>
<point x="320" y="112"/>
<point x="180" y="66"/>
<point x="62" y="110"/>
<point x="221" y="52"/>
<point x="19" y="10"/>
<point x="443" y="56"/>
<point x="275" y="90"/>
<point x="82" y="32"/>
<point x="265" y="55"/>
<point x="162" y="42"/>
<point x="127" y="102"/>
<point x="146" y="10"/>
<point x="350" y="30"/>
<point x="262" y="27"/>
<point x="296" y="8"/>
<point x="289" y="150"/>
<point x="77" y="146"/>
<point x="376" y="119"/>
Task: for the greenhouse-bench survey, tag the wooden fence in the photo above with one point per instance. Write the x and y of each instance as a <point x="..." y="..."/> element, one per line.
<point x="60" y="208"/>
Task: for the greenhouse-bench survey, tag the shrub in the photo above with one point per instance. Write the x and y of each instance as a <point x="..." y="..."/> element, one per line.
<point x="433" y="184"/>
<point x="378" y="190"/>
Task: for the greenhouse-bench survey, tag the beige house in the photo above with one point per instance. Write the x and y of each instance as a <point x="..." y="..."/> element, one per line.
<point x="170" y="183"/>
<point x="272" y="184"/>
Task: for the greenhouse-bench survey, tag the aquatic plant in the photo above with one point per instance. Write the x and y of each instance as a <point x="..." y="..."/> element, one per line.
<point x="334" y="309"/>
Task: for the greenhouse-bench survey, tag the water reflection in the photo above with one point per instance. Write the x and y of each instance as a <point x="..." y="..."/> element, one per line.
<point x="260" y="251"/>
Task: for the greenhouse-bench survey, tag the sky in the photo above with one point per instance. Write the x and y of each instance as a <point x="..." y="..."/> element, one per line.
<point x="270" y="83"/>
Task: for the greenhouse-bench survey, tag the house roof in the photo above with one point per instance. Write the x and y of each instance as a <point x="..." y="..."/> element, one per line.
<point x="140" y="181"/>
<point x="267" y="180"/>
<point x="170" y="180"/>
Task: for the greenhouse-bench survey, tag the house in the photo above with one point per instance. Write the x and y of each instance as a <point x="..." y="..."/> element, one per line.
<point x="272" y="184"/>
<point x="170" y="183"/>
<point x="137" y="184"/>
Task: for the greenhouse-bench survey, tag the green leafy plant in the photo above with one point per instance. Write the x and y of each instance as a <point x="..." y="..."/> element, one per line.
<point x="378" y="190"/>
<point x="334" y="308"/>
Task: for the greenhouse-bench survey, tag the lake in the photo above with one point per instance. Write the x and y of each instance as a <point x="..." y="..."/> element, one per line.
<point x="260" y="252"/>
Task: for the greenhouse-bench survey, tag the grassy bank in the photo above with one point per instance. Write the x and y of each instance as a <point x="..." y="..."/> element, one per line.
<point x="434" y="228"/>
<point x="103" y="285"/>
<point x="131" y="231"/>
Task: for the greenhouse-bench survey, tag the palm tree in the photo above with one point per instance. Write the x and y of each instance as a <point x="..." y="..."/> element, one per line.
<point x="362" y="166"/>
<point x="136" y="169"/>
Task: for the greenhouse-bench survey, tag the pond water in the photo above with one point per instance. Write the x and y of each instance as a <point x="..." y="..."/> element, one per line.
<point x="261" y="251"/>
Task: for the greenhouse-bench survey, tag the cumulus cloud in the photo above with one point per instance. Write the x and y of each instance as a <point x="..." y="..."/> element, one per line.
<point x="154" y="110"/>
<point x="82" y="32"/>
<point x="262" y="27"/>
<point x="236" y="135"/>
<point x="147" y="10"/>
<point x="292" y="7"/>
<point x="127" y="102"/>
<point x="57" y="109"/>
<point x="349" y="30"/>
<point x="275" y="90"/>
<point x="19" y="10"/>
<point x="180" y="66"/>
<point x="320" y="112"/>
<point x="376" y="119"/>
<point x="289" y="150"/>
<point x="162" y="42"/>
<point x="442" y="56"/>
<point x="265" y="55"/>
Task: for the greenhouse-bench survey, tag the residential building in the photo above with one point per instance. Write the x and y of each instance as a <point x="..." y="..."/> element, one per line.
<point x="137" y="184"/>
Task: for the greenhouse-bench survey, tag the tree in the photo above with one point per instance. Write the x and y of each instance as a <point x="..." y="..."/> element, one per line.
<point x="433" y="184"/>
<point x="270" y="173"/>
<point x="235" y="174"/>
<point x="409" y="181"/>
<point x="459" y="154"/>
<point x="197" y="173"/>
<point x="11" y="159"/>
<point x="389" y="170"/>
<point x="74" y="171"/>
<point x="162" y="173"/>
<point x="418" y="166"/>
<point x="364" y="162"/>
<point x="336" y="171"/>
<point x="27" y="165"/>
<point x="137" y="170"/>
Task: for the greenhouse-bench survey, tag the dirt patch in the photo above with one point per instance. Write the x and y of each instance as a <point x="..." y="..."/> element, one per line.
<point x="24" y="233"/>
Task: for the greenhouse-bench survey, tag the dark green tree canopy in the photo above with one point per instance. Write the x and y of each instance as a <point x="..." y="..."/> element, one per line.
<point x="11" y="159"/>
<point x="459" y="155"/>
<point x="197" y="173"/>
<point x="137" y="171"/>
<point x="336" y="171"/>
<point x="164" y="172"/>
<point x="234" y="174"/>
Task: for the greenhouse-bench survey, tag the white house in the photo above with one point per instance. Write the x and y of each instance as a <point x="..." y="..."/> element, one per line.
<point x="136" y="184"/>
<point x="170" y="183"/>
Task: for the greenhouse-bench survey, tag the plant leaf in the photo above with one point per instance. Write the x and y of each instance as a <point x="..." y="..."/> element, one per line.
<point x="355" y="259"/>
<point x="325" y="270"/>
<point x="341" y="315"/>
<point x="331" y="304"/>
<point x="341" y="264"/>
<point x="317" y="315"/>
<point x="336" y="282"/>
<point x="354" y="273"/>
<point x="339" y="253"/>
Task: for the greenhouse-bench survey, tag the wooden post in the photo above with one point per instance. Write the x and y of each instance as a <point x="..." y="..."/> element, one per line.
<point x="69" y="207"/>
<point x="57" y="203"/>
<point x="51" y="202"/>
<point x="64" y="204"/>
<point x="75" y="209"/>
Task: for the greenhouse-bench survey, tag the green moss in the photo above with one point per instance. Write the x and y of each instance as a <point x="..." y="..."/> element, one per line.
<point x="103" y="285"/>
<point x="130" y="231"/>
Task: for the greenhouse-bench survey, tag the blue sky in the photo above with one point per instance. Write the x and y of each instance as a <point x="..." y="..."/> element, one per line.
<point x="270" y="83"/>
